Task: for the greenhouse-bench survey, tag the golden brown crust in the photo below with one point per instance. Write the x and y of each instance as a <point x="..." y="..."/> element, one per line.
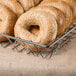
<point x="72" y="3"/>
<point x="36" y="2"/>
<point x="14" y="6"/>
<point x="46" y="23"/>
<point x="7" y="21"/>
<point x="57" y="14"/>
<point x="28" y="4"/>
<point x="64" y="7"/>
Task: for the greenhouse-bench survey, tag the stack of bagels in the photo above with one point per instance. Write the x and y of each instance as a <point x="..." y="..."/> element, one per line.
<point x="10" y="11"/>
<point x="40" y="21"/>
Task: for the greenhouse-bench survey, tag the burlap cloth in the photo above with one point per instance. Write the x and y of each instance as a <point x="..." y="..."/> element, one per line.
<point x="63" y="63"/>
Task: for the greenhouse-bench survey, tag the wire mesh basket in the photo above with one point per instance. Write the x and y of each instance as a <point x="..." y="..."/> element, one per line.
<point x="61" y="41"/>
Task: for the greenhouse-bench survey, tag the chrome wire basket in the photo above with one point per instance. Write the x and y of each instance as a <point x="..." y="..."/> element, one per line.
<point x="61" y="41"/>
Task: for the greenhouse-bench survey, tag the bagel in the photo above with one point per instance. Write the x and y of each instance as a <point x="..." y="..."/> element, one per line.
<point x="14" y="5"/>
<point x="47" y="28"/>
<point x="27" y="4"/>
<point x="64" y="7"/>
<point x="72" y="3"/>
<point x="7" y="21"/>
<point x="34" y="30"/>
<point x="57" y="14"/>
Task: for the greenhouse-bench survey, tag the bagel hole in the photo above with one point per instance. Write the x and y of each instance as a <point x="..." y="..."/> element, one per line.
<point x="34" y="29"/>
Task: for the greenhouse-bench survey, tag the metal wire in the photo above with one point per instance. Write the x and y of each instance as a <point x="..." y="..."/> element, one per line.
<point x="49" y="50"/>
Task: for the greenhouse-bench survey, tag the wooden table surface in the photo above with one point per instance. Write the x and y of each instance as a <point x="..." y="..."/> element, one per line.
<point x="63" y="63"/>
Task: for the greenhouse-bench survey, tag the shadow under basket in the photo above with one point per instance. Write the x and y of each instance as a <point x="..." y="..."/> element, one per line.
<point x="61" y="41"/>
